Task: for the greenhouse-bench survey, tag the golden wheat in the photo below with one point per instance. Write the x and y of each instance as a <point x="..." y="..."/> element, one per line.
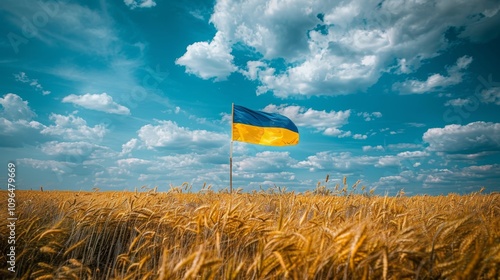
<point x="273" y="234"/>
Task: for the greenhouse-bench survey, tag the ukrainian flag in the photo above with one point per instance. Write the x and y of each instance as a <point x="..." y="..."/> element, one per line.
<point x="263" y="128"/>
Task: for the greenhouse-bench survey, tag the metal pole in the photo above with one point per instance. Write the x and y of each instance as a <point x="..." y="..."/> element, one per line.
<point x="231" y="152"/>
<point x="231" y="168"/>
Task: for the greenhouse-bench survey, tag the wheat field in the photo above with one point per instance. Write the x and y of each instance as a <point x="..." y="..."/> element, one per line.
<point x="260" y="235"/>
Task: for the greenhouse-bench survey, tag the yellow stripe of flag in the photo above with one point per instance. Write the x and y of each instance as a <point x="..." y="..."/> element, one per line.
<point x="263" y="128"/>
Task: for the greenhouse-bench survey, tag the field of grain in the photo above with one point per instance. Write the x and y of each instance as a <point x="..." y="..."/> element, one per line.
<point x="259" y="235"/>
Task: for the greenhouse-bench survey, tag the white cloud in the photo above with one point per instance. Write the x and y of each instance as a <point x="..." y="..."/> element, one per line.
<point x="347" y="162"/>
<point x="331" y="48"/>
<point x="71" y="127"/>
<point x="16" y="125"/>
<point x="168" y="134"/>
<point x="67" y="148"/>
<point x="197" y="167"/>
<point x="391" y="180"/>
<point x="373" y="148"/>
<point x="132" y="4"/>
<point x="475" y="175"/>
<point x="396" y="160"/>
<point x="23" y="78"/>
<point x="129" y="162"/>
<point x="404" y="146"/>
<point x="333" y="131"/>
<point x="479" y="170"/>
<point x="15" y="108"/>
<point x="198" y="14"/>
<point x="386" y="161"/>
<point x="400" y="158"/>
<point x="394" y="132"/>
<point x="458" y="102"/>
<point x="412" y="154"/>
<point x="204" y="165"/>
<point x="491" y="95"/>
<point x="17" y="128"/>
<point x="209" y="59"/>
<point x="326" y="122"/>
<point x="99" y="102"/>
<point x="52" y="165"/>
<point x="359" y="136"/>
<point x="462" y="64"/>
<point x="129" y="146"/>
<point x="264" y="162"/>
<point x="369" y="116"/>
<point x="466" y="139"/>
<point x="435" y="81"/>
<point x="414" y="124"/>
<point x="176" y="162"/>
<point x="343" y="161"/>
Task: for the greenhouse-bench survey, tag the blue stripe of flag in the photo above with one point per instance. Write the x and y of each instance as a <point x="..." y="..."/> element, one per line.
<point x="258" y="118"/>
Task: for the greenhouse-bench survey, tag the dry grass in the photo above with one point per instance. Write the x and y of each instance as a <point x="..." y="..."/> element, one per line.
<point x="262" y="235"/>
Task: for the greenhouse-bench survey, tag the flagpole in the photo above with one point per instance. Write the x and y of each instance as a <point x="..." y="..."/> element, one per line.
<point x="231" y="152"/>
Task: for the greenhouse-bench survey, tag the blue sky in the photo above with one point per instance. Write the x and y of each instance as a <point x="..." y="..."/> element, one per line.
<point x="118" y="95"/>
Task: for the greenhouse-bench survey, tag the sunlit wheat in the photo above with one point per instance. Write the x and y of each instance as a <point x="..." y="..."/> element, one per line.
<point x="328" y="233"/>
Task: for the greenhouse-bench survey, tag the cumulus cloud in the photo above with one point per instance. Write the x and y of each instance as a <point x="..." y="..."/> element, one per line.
<point x="78" y="150"/>
<point x="52" y="165"/>
<point x="264" y="162"/>
<point x="19" y="129"/>
<point x="177" y="162"/>
<point x="373" y="148"/>
<point x="23" y="78"/>
<point x="413" y="154"/>
<point x="129" y="162"/>
<point x="331" y="48"/>
<point x="347" y="162"/>
<point x="132" y="4"/>
<point x="387" y="161"/>
<point x="333" y="131"/>
<point x="209" y="59"/>
<point x="16" y="124"/>
<point x="167" y="134"/>
<point x="129" y="146"/>
<point x="15" y="108"/>
<point x="392" y="180"/>
<point x="343" y="161"/>
<point x="204" y="165"/>
<point x="462" y="178"/>
<point x="99" y="102"/>
<point x="369" y="116"/>
<point x="71" y="127"/>
<point x="395" y="160"/>
<point x="472" y="138"/>
<point x="326" y="122"/>
<point x="358" y="136"/>
<point x="436" y="81"/>
<point x="483" y="170"/>
<point x="491" y="95"/>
